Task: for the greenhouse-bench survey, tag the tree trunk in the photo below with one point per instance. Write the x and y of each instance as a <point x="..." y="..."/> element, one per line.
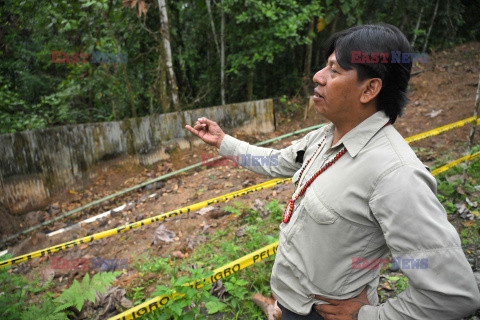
<point x="220" y="48"/>
<point x="250" y="84"/>
<point x="416" y="28"/>
<point x="161" y="80"/>
<point x="168" y="53"/>
<point x="222" y="56"/>
<point x="308" y="59"/>
<point x="431" y="25"/>
<point x="212" y="23"/>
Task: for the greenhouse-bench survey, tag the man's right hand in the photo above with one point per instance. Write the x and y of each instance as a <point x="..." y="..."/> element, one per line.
<point x="208" y="131"/>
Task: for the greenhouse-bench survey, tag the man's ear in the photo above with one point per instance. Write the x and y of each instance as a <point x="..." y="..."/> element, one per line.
<point x="371" y="90"/>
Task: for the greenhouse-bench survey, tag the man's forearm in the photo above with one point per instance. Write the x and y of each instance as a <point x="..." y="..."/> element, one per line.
<point x="266" y="161"/>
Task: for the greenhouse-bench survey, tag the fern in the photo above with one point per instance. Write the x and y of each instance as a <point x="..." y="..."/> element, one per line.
<point x="46" y="312"/>
<point x="78" y="293"/>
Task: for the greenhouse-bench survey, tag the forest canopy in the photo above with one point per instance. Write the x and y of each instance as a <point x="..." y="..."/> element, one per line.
<point x="78" y="61"/>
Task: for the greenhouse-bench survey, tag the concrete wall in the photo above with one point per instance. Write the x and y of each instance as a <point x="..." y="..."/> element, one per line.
<point x="35" y="165"/>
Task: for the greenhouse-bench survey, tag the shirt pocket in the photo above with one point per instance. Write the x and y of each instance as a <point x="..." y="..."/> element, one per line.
<point x="317" y="210"/>
<point x="294" y="224"/>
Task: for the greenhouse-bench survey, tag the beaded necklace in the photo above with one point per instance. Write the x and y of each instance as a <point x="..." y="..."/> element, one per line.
<point x="289" y="208"/>
<point x="287" y="214"/>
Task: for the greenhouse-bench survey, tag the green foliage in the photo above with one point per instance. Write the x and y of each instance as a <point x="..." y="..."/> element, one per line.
<point x="48" y="311"/>
<point x="150" y="264"/>
<point x="474" y="167"/>
<point x="448" y="188"/>
<point x="14" y="288"/>
<point x="78" y="293"/>
<point x="265" y="43"/>
<point x="186" y="304"/>
<point x="471" y="235"/>
<point x="236" y="287"/>
<point x="400" y="283"/>
<point x="237" y="208"/>
<point x="275" y="209"/>
<point x="267" y="28"/>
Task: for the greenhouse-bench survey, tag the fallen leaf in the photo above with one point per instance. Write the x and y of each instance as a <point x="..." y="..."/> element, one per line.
<point x="178" y="254"/>
<point x="470" y="223"/>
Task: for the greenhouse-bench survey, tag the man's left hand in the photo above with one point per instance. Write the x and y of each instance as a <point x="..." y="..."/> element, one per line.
<point x="342" y="309"/>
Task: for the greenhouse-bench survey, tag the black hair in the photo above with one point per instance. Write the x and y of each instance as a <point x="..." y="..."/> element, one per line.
<point x="380" y="38"/>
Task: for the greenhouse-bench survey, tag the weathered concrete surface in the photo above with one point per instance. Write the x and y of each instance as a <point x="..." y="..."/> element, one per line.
<point x="35" y="165"/>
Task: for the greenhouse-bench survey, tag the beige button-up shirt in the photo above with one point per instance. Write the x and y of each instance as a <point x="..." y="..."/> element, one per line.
<point x="377" y="198"/>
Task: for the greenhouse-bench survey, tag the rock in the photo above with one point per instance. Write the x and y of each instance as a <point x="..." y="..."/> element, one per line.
<point x="205" y="210"/>
<point x="106" y="305"/>
<point x="471" y="203"/>
<point x="130" y="206"/>
<point x="33" y="218"/>
<point x="454" y="178"/>
<point x="463" y="212"/>
<point x="162" y="234"/>
<point x="214" y="212"/>
<point x="159" y="185"/>
<point x="46" y="275"/>
<point x="149" y="187"/>
<point x="140" y="217"/>
<point x="54" y="209"/>
<point x="205" y="227"/>
<point x="240" y="232"/>
<point x="103" y="222"/>
<point x="433" y="113"/>
<point x="193" y="241"/>
<point x="259" y="207"/>
<point x="248" y="182"/>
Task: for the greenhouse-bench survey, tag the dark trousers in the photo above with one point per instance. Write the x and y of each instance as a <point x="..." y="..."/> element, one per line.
<point x="289" y="315"/>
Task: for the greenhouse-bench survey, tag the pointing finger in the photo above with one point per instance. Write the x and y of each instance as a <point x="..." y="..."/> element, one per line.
<point x="192" y="130"/>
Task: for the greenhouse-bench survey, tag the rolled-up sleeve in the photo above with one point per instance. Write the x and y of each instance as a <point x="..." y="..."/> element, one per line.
<point x="426" y="247"/>
<point x="271" y="162"/>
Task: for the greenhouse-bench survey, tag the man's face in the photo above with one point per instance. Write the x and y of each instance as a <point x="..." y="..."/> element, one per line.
<point x="337" y="91"/>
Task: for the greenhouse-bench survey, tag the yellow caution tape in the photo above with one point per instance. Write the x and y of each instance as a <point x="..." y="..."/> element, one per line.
<point x="236" y="265"/>
<point x="107" y="233"/>
<point x="222" y="272"/>
<point x="199" y="205"/>
<point x="454" y="163"/>
<point x="439" y="130"/>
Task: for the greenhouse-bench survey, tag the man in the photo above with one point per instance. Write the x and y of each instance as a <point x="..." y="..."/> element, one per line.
<point x="360" y="192"/>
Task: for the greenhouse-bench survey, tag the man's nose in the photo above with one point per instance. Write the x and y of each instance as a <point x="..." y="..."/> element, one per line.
<point x="319" y="77"/>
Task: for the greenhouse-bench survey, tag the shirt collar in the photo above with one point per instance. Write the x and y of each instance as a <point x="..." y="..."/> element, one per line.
<point x="358" y="137"/>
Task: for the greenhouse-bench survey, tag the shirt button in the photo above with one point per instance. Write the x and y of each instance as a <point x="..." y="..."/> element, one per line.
<point x="325" y="157"/>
